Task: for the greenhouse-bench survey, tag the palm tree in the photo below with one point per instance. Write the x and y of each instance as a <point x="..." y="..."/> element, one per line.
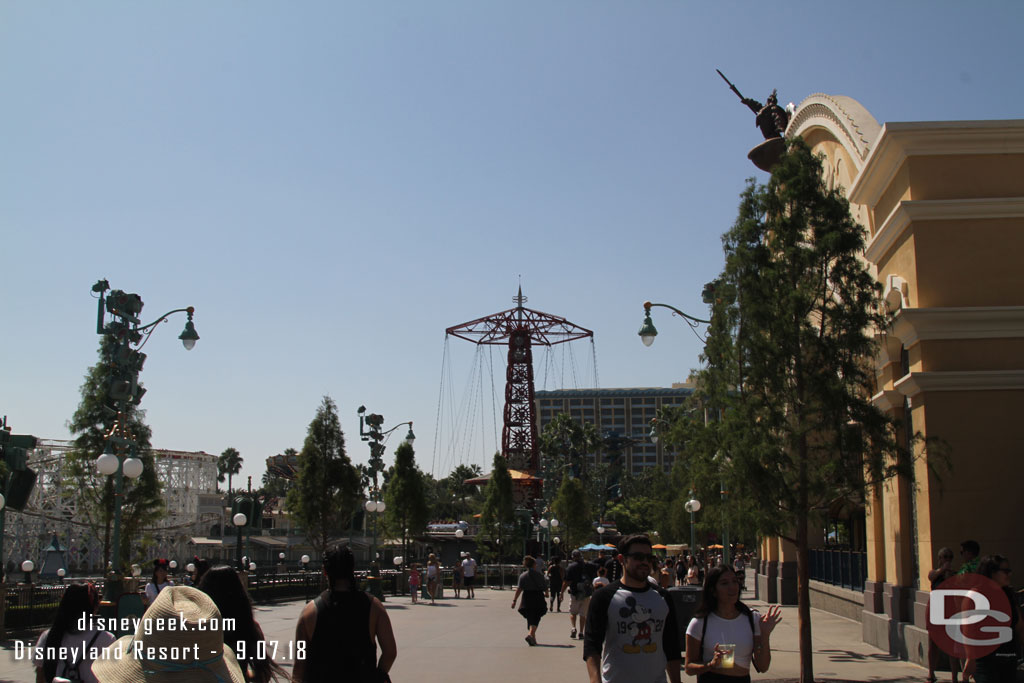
<point x="229" y="464"/>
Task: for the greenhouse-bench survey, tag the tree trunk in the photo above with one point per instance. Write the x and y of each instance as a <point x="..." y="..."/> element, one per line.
<point x="803" y="575"/>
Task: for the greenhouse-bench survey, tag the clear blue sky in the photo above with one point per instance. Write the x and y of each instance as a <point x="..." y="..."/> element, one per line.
<point x="333" y="184"/>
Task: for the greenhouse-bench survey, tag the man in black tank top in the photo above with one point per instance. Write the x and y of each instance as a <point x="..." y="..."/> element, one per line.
<point x="340" y="629"/>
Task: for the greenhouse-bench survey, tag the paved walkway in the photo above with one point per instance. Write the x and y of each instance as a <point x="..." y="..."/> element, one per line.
<point x="482" y="640"/>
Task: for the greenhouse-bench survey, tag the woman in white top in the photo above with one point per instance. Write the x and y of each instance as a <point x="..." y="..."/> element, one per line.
<point x="433" y="576"/>
<point x="692" y="573"/>
<point x="159" y="582"/>
<point x="721" y="619"/>
<point x="76" y="607"/>
<point x="601" y="580"/>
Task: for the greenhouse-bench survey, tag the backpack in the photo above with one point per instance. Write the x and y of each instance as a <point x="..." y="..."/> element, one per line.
<point x="71" y="673"/>
<point x="582" y="585"/>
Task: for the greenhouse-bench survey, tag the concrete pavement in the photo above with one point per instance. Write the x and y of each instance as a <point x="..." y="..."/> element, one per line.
<point x="482" y="640"/>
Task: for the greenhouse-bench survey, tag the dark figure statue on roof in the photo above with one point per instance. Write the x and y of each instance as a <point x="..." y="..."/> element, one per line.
<point x="771" y="118"/>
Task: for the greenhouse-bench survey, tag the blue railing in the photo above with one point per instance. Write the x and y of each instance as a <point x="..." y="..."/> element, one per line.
<point x="846" y="568"/>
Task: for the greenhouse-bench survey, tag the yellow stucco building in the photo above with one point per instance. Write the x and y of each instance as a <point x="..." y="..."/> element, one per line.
<point x="943" y="204"/>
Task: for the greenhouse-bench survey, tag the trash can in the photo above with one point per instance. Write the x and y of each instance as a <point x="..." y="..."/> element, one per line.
<point x="685" y="600"/>
<point x="374" y="588"/>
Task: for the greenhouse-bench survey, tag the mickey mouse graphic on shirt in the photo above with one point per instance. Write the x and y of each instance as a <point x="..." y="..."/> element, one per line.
<point x="640" y="617"/>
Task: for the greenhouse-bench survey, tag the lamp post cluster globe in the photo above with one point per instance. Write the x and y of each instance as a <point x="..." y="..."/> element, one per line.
<point x="132" y="468"/>
<point x="107" y="464"/>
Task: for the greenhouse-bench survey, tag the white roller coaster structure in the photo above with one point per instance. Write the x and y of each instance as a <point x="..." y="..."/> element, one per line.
<point x="192" y="507"/>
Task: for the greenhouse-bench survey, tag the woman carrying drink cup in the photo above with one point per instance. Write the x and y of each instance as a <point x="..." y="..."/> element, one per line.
<point x="726" y="637"/>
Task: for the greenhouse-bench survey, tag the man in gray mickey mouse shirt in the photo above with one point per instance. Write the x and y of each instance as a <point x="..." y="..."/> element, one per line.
<point x="632" y="635"/>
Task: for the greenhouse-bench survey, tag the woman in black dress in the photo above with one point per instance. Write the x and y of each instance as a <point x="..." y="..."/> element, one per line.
<point x="555" y="576"/>
<point x="534" y="589"/>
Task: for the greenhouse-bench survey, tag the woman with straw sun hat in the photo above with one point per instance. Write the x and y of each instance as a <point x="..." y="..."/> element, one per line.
<point x="192" y="651"/>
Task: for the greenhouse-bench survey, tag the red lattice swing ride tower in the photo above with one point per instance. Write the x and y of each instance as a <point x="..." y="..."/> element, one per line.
<point x="520" y="328"/>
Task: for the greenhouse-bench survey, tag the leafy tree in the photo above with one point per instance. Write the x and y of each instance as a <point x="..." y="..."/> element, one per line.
<point x="464" y="497"/>
<point x="564" y="446"/>
<point x="696" y="469"/>
<point x="324" y="494"/>
<point x="645" y="504"/>
<point x="573" y="513"/>
<point x="406" y="510"/>
<point x="498" y="514"/>
<point x="91" y="422"/>
<point x="595" y="486"/>
<point x="229" y="463"/>
<point x="793" y="338"/>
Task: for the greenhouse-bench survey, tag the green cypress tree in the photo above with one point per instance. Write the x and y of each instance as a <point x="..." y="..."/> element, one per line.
<point x="790" y="363"/>
<point x="324" y="495"/>
<point x="498" y="514"/>
<point x="405" y="497"/>
<point x="90" y="424"/>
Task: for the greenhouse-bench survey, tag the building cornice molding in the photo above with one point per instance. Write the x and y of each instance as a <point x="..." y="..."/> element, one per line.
<point x="899" y="220"/>
<point x="900" y="140"/>
<point x="888" y="400"/>
<point x="967" y="380"/>
<point x="913" y="325"/>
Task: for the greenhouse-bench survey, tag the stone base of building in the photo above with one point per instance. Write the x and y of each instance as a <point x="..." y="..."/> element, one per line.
<point x="776" y="583"/>
<point x="889" y="621"/>
<point x="837" y="600"/>
<point x="898" y="638"/>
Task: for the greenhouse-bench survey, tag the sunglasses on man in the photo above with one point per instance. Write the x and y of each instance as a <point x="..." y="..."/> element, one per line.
<point x="642" y="557"/>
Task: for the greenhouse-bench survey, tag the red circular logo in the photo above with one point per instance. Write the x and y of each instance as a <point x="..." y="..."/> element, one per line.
<point x="969" y="616"/>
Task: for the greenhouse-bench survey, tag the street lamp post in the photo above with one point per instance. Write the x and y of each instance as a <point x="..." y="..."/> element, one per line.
<point x="549" y="526"/>
<point x="692" y="506"/>
<point x="648" y="332"/>
<point x="305" y="576"/>
<point x="129" y="336"/>
<point x="376" y="507"/>
<point x="371" y="430"/>
<point x="239" y="520"/>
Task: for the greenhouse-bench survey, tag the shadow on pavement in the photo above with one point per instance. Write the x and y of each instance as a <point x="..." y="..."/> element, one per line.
<point x="848" y="656"/>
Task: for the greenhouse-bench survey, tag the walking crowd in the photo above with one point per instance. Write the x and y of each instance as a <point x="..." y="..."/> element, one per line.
<point x="999" y="665"/>
<point x="618" y="606"/>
